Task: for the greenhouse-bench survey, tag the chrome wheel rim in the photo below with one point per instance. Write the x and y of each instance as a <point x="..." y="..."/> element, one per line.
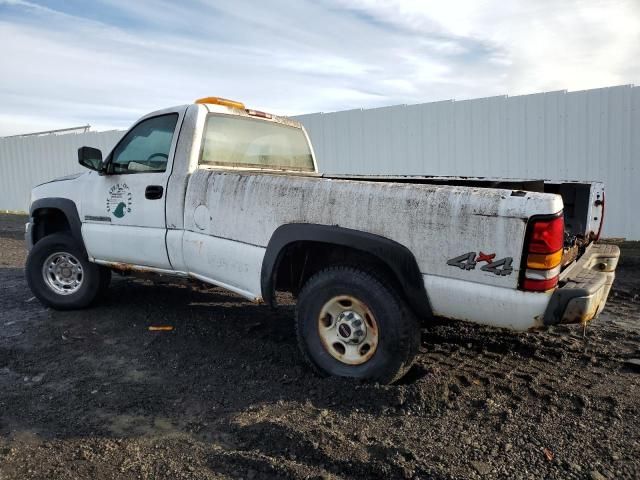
<point x="348" y="330"/>
<point x="63" y="273"/>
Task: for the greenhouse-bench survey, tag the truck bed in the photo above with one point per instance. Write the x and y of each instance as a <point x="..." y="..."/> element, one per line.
<point x="583" y="200"/>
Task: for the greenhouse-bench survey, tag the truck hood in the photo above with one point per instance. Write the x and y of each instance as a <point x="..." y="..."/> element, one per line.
<point x="68" y="187"/>
<point x="73" y="176"/>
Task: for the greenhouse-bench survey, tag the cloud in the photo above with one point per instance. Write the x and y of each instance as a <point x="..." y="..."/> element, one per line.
<point x="110" y="61"/>
<point x="541" y="45"/>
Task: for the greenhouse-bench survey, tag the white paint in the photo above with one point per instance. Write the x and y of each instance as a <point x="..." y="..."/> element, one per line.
<point x="217" y="269"/>
<point x="201" y="217"/>
<point x="174" y="249"/>
<point x="71" y="189"/>
<point x="145" y="222"/>
<point x="243" y="293"/>
<point x="485" y="304"/>
<point x="232" y="265"/>
<point x="125" y="244"/>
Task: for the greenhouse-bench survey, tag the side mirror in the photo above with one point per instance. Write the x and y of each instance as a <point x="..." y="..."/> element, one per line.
<point x="90" y="158"/>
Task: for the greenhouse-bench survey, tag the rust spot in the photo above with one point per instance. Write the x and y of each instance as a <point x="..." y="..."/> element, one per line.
<point x="128" y="268"/>
<point x="579" y="315"/>
<point x="122" y="267"/>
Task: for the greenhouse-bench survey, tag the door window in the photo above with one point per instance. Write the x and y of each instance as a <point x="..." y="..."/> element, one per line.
<point x="145" y="148"/>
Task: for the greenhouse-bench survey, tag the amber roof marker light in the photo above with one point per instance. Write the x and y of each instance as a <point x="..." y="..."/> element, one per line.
<point x="221" y="101"/>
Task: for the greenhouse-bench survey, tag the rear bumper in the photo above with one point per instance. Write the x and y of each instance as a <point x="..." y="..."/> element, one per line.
<point x="584" y="286"/>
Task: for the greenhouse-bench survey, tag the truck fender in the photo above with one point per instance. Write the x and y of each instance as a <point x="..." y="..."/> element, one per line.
<point x="68" y="209"/>
<point x="395" y="256"/>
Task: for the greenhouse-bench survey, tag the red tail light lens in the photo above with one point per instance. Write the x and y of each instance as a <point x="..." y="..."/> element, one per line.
<point x="547" y="236"/>
<point x="543" y="258"/>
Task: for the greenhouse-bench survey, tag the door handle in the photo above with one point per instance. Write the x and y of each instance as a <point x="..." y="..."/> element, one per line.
<point x="153" y="192"/>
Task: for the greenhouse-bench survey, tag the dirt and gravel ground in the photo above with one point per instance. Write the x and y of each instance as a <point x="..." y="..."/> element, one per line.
<point x="95" y="394"/>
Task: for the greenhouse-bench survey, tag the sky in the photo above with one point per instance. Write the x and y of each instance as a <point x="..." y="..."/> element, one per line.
<point x="105" y="63"/>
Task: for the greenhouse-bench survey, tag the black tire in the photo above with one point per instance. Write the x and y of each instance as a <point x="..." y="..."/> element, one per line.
<point x="398" y="330"/>
<point x="92" y="279"/>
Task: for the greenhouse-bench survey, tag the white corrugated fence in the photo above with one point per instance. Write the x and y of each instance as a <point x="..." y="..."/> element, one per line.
<point x="586" y="135"/>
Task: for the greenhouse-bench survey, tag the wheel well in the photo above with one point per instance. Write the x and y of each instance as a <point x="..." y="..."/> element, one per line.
<point x="296" y="251"/>
<point x="47" y="221"/>
<point x="300" y="260"/>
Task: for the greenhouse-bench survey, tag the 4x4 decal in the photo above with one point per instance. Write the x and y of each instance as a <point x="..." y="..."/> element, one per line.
<point x="468" y="261"/>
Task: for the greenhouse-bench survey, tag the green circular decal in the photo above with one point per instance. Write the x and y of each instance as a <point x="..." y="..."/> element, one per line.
<point x="119" y="200"/>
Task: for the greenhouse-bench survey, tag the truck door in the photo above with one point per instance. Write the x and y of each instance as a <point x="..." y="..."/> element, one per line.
<point x="124" y="210"/>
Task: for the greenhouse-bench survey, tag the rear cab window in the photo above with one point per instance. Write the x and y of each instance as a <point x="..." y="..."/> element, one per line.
<point x="246" y="143"/>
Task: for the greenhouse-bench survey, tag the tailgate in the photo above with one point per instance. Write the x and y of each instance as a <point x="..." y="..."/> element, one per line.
<point x="583" y="209"/>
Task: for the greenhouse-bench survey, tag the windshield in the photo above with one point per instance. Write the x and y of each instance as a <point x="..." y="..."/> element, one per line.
<point x="233" y="141"/>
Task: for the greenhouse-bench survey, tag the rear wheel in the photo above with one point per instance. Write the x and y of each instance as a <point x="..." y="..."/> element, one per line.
<point x="60" y="275"/>
<point x="350" y="324"/>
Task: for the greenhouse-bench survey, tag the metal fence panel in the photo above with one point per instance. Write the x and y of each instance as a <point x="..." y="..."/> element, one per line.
<point x="28" y="161"/>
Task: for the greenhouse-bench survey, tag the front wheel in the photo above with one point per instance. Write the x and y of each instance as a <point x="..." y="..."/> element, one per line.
<point x="350" y="324"/>
<point x="60" y="275"/>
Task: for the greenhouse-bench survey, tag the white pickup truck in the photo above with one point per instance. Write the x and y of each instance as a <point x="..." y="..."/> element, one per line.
<point x="232" y="197"/>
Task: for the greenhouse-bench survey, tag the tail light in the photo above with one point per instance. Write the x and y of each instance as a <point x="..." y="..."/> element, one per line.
<point x="544" y="249"/>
